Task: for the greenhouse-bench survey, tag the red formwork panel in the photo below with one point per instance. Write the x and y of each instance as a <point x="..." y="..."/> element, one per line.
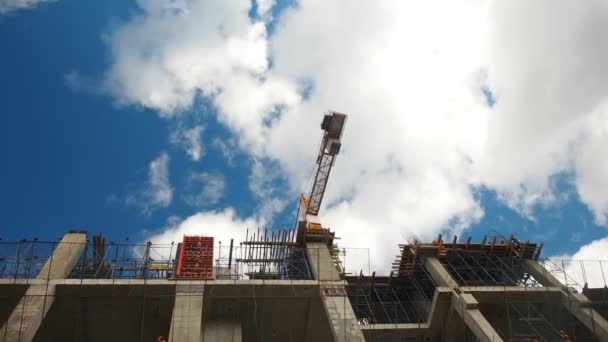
<point x="196" y="258"/>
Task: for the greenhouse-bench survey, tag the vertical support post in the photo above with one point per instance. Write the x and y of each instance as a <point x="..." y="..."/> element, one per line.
<point x="230" y="255"/>
<point x="24" y="321"/>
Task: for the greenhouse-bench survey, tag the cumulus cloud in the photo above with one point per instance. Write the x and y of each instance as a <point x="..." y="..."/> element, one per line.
<point x="190" y="139"/>
<point x="264" y="7"/>
<point x="227" y="149"/>
<point x="222" y="225"/>
<point x="158" y="191"/>
<point x="173" y="52"/>
<point x="544" y="66"/>
<point x="7" y="6"/>
<point x="421" y="136"/>
<point x="588" y="265"/>
<point x="211" y="185"/>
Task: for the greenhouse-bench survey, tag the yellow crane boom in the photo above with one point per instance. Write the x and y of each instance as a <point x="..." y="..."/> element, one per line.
<point x="333" y="127"/>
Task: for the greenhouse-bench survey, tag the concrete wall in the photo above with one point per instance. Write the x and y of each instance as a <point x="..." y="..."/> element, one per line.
<point x="225" y="331"/>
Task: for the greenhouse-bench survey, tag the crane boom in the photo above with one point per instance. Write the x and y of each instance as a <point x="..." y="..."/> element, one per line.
<point x="333" y="127"/>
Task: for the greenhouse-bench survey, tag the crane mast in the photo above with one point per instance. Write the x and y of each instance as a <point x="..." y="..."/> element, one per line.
<point x="310" y="203"/>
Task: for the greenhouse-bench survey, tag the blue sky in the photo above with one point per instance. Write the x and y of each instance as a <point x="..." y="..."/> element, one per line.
<point x="75" y="151"/>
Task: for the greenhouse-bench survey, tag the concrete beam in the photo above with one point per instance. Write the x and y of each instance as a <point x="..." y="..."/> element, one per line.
<point x="541" y="274"/>
<point x="187" y="318"/>
<point x="25" y="319"/>
<point x="576" y="303"/>
<point x="225" y="331"/>
<point x="440" y="275"/>
<point x="581" y="308"/>
<point x="468" y="308"/>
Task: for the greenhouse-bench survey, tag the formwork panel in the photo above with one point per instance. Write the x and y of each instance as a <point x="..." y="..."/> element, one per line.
<point x="196" y="258"/>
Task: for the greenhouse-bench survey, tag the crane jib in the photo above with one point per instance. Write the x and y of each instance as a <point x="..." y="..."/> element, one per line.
<point x="318" y="187"/>
<point x="333" y="126"/>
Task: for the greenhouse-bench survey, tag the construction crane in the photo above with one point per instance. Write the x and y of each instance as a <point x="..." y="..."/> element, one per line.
<point x="310" y="203"/>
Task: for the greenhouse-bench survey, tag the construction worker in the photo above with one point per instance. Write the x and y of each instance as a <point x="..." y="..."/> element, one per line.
<point x="564" y="335"/>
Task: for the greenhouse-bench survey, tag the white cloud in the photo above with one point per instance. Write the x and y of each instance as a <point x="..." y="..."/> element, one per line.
<point x="227" y="149"/>
<point x="264" y="7"/>
<point x="262" y="180"/>
<point x="157" y="191"/>
<point x="190" y="139"/>
<point x="170" y="53"/>
<point x="222" y="225"/>
<point x="592" y="168"/>
<point x="212" y="187"/>
<point x="588" y="265"/>
<point x="420" y="136"/>
<point x="7" y="6"/>
<point x="545" y="68"/>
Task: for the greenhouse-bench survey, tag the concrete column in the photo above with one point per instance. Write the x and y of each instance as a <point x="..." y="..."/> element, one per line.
<point x="25" y="319"/>
<point x="337" y="306"/>
<point x="468" y="308"/>
<point x="321" y="263"/>
<point x="439" y="274"/>
<point x="187" y="318"/>
<point x="224" y="331"/>
<point x="440" y="307"/>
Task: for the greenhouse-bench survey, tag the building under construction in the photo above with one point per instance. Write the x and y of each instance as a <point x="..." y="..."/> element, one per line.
<point x="278" y="286"/>
<point x="294" y="285"/>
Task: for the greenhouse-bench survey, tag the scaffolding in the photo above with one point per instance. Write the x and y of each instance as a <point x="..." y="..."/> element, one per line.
<point x="393" y="300"/>
<point x="25" y="258"/>
<point x="263" y="255"/>
<point x="99" y="260"/>
<point x="273" y="255"/>
<point x="491" y="263"/>
<point x="535" y="320"/>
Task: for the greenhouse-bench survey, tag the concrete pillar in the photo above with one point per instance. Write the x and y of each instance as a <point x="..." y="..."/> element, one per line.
<point x="25" y="319"/>
<point x="187" y="318"/>
<point x="468" y="308"/>
<point x="321" y="262"/>
<point x="337" y="306"/>
<point x="439" y="274"/>
<point x="224" y="331"/>
<point x="576" y="303"/>
<point x="440" y="307"/>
